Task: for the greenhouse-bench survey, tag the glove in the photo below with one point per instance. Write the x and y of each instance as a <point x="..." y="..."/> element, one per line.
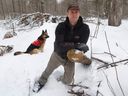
<point x="74" y="55"/>
<point x="82" y="47"/>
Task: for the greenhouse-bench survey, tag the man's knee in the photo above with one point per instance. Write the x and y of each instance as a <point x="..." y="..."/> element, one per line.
<point x="67" y="81"/>
<point x="42" y="80"/>
<point x="68" y="78"/>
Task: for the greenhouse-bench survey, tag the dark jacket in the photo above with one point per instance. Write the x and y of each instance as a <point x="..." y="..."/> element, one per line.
<point x="67" y="36"/>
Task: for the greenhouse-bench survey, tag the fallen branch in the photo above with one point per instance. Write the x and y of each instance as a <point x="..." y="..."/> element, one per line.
<point x="119" y="61"/>
<point x="78" y="93"/>
<point x="114" y="63"/>
<point x="75" y="85"/>
<point x="125" y="63"/>
<point x="106" y="53"/>
<point x="100" y="60"/>
<point x="99" y="93"/>
<point x="109" y="54"/>
<point x="98" y="87"/>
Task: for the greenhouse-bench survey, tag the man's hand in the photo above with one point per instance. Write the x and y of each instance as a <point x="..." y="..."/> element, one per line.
<point x="82" y="47"/>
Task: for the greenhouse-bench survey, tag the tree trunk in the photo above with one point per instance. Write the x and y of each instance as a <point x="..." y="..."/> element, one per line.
<point x="115" y="12"/>
<point x="13" y="6"/>
<point x="3" y="13"/>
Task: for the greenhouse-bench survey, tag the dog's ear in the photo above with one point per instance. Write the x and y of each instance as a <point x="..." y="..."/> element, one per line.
<point x="42" y="32"/>
<point x="45" y="30"/>
<point x="46" y="34"/>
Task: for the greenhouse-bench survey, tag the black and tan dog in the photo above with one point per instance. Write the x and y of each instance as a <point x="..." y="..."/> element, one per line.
<point x="36" y="46"/>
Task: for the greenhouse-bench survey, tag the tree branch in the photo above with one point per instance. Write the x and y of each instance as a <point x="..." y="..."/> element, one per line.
<point x="74" y="85"/>
<point x="100" y="60"/>
<point x="78" y="93"/>
<point x="112" y="63"/>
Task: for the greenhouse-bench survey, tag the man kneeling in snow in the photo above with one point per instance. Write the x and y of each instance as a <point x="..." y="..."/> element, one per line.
<point x="70" y="35"/>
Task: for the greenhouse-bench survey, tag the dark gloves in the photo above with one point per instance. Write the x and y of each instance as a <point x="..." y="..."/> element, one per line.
<point x="82" y="47"/>
<point x="79" y="46"/>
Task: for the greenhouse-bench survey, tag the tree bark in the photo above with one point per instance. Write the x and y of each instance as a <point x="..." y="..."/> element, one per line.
<point x="115" y="12"/>
<point x="2" y="9"/>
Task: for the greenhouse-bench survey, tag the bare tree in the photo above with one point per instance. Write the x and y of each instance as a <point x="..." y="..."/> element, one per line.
<point x="111" y="9"/>
<point x="7" y="8"/>
<point x="76" y="1"/>
<point x="42" y="7"/>
<point x="115" y="12"/>
<point x="13" y="6"/>
<point x="84" y="7"/>
<point x="2" y="8"/>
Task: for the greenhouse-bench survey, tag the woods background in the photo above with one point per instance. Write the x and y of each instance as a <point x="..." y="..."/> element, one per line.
<point x="13" y="8"/>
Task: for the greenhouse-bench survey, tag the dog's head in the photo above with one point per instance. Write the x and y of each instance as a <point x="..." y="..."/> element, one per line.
<point x="44" y="35"/>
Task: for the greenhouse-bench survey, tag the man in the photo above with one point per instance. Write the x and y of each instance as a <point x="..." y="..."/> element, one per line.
<point x="70" y="35"/>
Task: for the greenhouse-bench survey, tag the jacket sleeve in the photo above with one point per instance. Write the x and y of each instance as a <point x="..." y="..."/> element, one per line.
<point x="81" y="45"/>
<point x="60" y="31"/>
<point x="85" y="34"/>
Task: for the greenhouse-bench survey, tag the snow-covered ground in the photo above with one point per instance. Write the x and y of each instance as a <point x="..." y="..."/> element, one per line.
<point x="18" y="73"/>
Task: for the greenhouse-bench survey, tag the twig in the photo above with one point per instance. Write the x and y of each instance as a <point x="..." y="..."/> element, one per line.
<point x="98" y="92"/>
<point x="121" y="48"/>
<point x="119" y="61"/>
<point x="74" y="85"/>
<point x="78" y="93"/>
<point x="106" y="53"/>
<point x="117" y="77"/>
<point x="98" y="87"/>
<point x="112" y="63"/>
<point x="110" y="54"/>
<point x="125" y="63"/>
<point x="29" y="87"/>
<point x="99" y="83"/>
<point x="100" y="60"/>
<point x="109" y="84"/>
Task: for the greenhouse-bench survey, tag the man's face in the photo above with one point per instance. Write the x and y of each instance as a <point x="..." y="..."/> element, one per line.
<point x="73" y="16"/>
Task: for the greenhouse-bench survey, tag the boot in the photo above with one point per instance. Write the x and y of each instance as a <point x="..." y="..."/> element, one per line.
<point x="37" y="87"/>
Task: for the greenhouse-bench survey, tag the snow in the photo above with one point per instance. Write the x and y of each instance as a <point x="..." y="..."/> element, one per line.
<point x="59" y="1"/>
<point x="18" y="73"/>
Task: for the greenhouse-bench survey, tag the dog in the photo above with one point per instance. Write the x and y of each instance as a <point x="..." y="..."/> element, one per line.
<point x="5" y="49"/>
<point x="36" y="46"/>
